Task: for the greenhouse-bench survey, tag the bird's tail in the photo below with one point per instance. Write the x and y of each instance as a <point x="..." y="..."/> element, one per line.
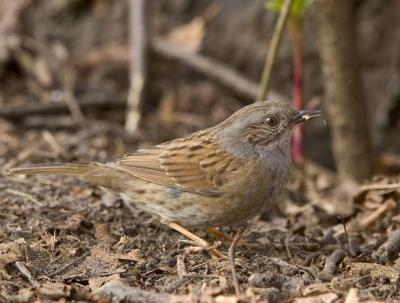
<point x="53" y="169"/>
<point x="104" y="174"/>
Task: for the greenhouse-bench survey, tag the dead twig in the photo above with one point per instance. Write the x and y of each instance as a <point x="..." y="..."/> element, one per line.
<point x="273" y="50"/>
<point x="9" y="19"/>
<point x="266" y="280"/>
<point x="73" y="262"/>
<point x="211" y="68"/>
<point x="332" y="263"/>
<point x="345" y="232"/>
<point x="25" y="273"/>
<point x="388" y="250"/>
<point x="174" y="285"/>
<point x="282" y="263"/>
<point x="138" y="63"/>
<point x="70" y="99"/>
<point x="378" y="186"/>
<point x="19" y="112"/>
<point x="69" y="293"/>
<point x="54" y="144"/>
<point x="73" y="106"/>
<point x="287" y="239"/>
<point x="68" y="79"/>
<point x="115" y="54"/>
<point x="24" y="195"/>
<point x="375" y="271"/>
<point x="121" y="292"/>
<point x="180" y="266"/>
<point x="375" y="215"/>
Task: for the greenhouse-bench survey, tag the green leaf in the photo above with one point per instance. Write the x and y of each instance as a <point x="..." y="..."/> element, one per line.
<point x="298" y="6"/>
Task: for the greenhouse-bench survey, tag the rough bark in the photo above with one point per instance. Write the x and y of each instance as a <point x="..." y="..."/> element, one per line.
<point x="344" y="96"/>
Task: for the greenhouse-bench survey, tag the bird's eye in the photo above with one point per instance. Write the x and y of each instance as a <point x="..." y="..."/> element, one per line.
<point x="272" y="121"/>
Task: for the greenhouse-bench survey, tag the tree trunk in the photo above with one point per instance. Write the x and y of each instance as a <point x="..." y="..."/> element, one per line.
<point x="344" y="96"/>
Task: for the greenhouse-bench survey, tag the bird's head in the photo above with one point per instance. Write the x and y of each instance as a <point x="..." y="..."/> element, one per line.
<point x="261" y="126"/>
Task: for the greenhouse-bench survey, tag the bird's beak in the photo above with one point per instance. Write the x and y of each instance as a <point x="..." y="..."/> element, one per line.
<point x="304" y="115"/>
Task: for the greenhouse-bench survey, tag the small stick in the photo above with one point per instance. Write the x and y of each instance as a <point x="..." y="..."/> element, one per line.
<point x="24" y="195"/>
<point x="380" y="186"/>
<point x="18" y="112"/>
<point x="331" y="264"/>
<point x="345" y="232"/>
<point x="202" y="64"/>
<point x="73" y="262"/>
<point x="138" y="63"/>
<point x="282" y="263"/>
<point x="68" y="92"/>
<point x="25" y="273"/>
<point x="388" y="250"/>
<point x="202" y="264"/>
<point x="211" y="68"/>
<point x="287" y="240"/>
<point x="54" y="144"/>
<point x="273" y="49"/>
<point x="74" y="108"/>
<point x="180" y="266"/>
<point x="376" y="214"/>
<point x="174" y="285"/>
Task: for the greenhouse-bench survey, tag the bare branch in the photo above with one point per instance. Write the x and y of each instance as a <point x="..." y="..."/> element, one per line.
<point x="211" y="68"/>
<point x="138" y="62"/>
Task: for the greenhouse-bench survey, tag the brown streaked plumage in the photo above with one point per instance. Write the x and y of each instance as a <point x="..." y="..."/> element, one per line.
<point x="223" y="175"/>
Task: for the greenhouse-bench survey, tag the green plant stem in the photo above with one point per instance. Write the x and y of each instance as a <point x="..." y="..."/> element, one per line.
<point x="273" y="49"/>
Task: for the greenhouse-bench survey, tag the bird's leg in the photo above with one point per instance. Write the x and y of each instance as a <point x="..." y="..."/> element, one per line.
<point x="231" y="256"/>
<point x="196" y="239"/>
<point x="224" y="237"/>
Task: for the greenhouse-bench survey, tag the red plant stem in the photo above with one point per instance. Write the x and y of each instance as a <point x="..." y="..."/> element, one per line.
<point x="296" y="38"/>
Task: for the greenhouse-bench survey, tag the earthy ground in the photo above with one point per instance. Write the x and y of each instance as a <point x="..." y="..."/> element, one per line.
<point x="63" y="239"/>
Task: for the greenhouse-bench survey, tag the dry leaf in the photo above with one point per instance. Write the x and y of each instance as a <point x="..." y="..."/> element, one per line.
<point x="42" y="72"/>
<point x="314" y="289"/>
<point x="9" y="16"/>
<point x="352" y="296"/>
<point x="10" y="252"/>
<point x="97" y="282"/>
<point x="323" y="298"/>
<point x="375" y="271"/>
<point x="133" y="255"/>
<point x="189" y="35"/>
<point x="103" y="233"/>
<point x="72" y="222"/>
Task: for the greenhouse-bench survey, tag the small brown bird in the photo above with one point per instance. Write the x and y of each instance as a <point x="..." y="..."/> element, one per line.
<point x="220" y="176"/>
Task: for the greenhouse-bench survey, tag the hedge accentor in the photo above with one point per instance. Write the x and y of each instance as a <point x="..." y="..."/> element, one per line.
<point x="220" y="176"/>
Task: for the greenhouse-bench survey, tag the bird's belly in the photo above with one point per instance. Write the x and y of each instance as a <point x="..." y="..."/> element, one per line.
<point x="196" y="210"/>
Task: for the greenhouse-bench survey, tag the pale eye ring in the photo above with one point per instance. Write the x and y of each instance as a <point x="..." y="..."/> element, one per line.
<point x="272" y="121"/>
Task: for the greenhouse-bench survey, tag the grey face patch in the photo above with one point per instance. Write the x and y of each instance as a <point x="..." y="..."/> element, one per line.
<point x="174" y="192"/>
